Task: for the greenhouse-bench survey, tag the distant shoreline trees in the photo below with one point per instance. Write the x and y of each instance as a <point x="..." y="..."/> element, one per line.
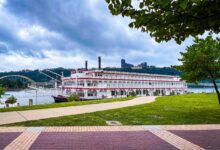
<point x="13" y="84"/>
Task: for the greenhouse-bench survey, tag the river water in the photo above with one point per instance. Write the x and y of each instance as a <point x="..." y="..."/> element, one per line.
<point x="44" y="96"/>
<point x="40" y="96"/>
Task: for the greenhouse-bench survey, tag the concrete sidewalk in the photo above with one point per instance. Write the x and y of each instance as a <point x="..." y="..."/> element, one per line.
<point x="20" y="116"/>
<point x="159" y="137"/>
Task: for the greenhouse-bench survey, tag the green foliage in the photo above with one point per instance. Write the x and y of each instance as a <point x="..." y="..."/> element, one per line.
<point x="172" y="93"/>
<point x="156" y="93"/>
<point x="2" y="91"/>
<point x="201" y="61"/>
<point x="170" y="19"/>
<point x="36" y="75"/>
<point x="73" y="97"/>
<point x="11" y="100"/>
<point x="13" y="84"/>
<point x="133" y="94"/>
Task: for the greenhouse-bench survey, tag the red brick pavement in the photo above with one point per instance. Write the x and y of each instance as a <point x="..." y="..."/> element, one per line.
<point x="125" y="140"/>
<point x="186" y="137"/>
<point x="7" y="137"/>
<point x="208" y="139"/>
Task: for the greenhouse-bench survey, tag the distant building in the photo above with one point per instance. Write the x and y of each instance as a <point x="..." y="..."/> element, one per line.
<point x="25" y="70"/>
<point x="143" y="65"/>
<point x="125" y="65"/>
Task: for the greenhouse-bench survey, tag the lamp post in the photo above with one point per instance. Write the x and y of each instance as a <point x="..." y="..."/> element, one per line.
<point x="36" y="96"/>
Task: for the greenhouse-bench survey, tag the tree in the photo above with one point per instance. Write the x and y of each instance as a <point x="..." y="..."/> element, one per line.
<point x="170" y="19"/>
<point x="11" y="100"/>
<point x="2" y="91"/>
<point x="201" y="61"/>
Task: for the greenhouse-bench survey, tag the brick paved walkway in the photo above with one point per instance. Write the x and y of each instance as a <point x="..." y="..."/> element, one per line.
<point x="20" y="116"/>
<point x="169" y="137"/>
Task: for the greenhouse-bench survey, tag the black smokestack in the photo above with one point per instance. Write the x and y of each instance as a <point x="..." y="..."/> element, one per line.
<point x="86" y="65"/>
<point x="99" y="63"/>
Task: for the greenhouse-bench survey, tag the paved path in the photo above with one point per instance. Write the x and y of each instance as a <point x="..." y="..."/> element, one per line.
<point x="20" y="116"/>
<point x="165" y="137"/>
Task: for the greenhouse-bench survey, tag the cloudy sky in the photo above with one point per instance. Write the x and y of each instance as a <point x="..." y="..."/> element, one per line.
<point x="37" y="34"/>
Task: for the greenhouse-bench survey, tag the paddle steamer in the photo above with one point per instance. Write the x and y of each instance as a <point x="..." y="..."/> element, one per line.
<point x="97" y="84"/>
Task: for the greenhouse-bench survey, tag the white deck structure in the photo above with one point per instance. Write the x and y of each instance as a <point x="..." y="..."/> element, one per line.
<point x="95" y="84"/>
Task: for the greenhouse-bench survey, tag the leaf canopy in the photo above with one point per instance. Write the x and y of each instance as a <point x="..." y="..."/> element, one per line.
<point x="200" y="60"/>
<point x="2" y="91"/>
<point x="170" y="19"/>
<point x="11" y="100"/>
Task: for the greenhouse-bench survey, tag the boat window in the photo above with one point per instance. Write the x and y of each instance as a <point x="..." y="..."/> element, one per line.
<point x="89" y="84"/>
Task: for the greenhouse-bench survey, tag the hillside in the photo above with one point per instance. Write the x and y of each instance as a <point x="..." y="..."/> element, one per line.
<point x="150" y="70"/>
<point x="36" y="75"/>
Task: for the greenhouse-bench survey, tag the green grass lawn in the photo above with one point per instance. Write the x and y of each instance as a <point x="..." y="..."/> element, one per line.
<point x="181" y="109"/>
<point x="66" y="104"/>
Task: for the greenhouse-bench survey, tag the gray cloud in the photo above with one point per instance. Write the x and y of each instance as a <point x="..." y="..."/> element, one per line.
<point x="74" y="20"/>
<point x="80" y="28"/>
<point x="3" y="48"/>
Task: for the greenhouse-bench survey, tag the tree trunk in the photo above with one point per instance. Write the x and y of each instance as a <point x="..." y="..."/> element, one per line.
<point x="217" y="91"/>
<point x="216" y="87"/>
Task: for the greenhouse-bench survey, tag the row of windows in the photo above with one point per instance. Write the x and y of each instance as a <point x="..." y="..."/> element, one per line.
<point x="141" y="85"/>
<point x="135" y="77"/>
<point x="122" y="83"/>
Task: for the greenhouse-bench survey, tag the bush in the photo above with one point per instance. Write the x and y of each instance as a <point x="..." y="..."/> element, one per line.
<point x="133" y="93"/>
<point x="11" y="100"/>
<point x="73" y="97"/>
<point x="172" y="93"/>
<point x="156" y="93"/>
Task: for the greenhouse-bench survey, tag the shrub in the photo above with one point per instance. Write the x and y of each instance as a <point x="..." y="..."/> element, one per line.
<point x="133" y="93"/>
<point x="172" y="93"/>
<point x="73" y="97"/>
<point x="156" y="93"/>
<point x="11" y="100"/>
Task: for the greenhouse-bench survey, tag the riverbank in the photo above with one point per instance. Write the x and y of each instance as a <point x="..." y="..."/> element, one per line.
<point x="16" y="90"/>
<point x="66" y="104"/>
<point x="44" y="96"/>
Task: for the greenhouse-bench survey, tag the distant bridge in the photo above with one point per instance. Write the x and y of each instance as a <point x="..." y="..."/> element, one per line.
<point x="18" y="76"/>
